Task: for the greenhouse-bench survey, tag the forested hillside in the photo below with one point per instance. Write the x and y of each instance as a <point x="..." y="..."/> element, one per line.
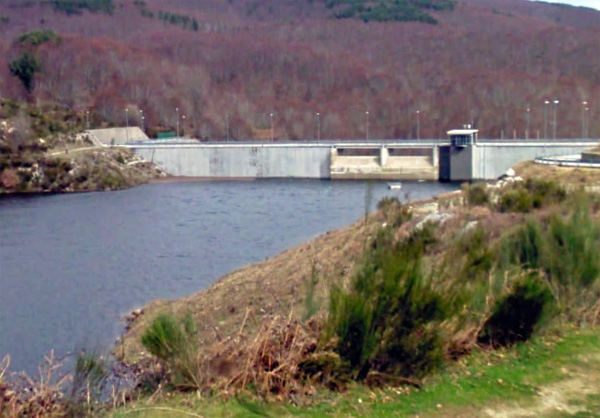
<point x="436" y="63"/>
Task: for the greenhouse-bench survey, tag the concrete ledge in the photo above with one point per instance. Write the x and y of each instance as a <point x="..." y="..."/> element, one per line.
<point x="591" y="156"/>
<point x="388" y="175"/>
<point x="573" y="161"/>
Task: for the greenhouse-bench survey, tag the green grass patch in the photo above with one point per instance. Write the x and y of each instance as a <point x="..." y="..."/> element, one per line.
<point x="487" y="379"/>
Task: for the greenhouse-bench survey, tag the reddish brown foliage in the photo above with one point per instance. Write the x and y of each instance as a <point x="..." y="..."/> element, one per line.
<point x="9" y="179"/>
<point x="486" y="62"/>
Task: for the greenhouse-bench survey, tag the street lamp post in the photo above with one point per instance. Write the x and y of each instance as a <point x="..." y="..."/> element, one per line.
<point x="183" y="125"/>
<point x="556" y="102"/>
<point x="587" y="122"/>
<point x="527" y="129"/>
<point x="418" y="124"/>
<point x="318" y="126"/>
<point x="367" y="124"/>
<point x="583" y="112"/>
<point x="87" y="119"/>
<point x="272" y="133"/>
<point x="227" y="128"/>
<point x="143" y="128"/>
<point x="127" y="123"/>
<point x="546" y="102"/>
<point x="177" y="116"/>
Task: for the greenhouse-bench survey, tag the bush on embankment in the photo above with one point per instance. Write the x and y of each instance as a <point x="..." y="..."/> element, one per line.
<point x="494" y="293"/>
<point x="564" y="250"/>
<point x="515" y="196"/>
<point x="173" y="342"/>
<point x="387" y="321"/>
<point x="417" y="302"/>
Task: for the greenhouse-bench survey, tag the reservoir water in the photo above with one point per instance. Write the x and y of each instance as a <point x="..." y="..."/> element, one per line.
<point x="71" y="266"/>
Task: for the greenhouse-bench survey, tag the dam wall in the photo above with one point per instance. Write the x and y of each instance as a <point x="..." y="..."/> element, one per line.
<point x="240" y="161"/>
<point x="280" y="160"/>
<point x="490" y="161"/>
<point x="394" y="160"/>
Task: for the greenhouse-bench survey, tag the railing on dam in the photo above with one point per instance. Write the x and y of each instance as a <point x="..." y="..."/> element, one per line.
<point x="351" y="142"/>
<point x="371" y="143"/>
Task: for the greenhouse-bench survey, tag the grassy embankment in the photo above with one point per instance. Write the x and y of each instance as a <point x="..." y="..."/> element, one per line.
<point x="552" y="376"/>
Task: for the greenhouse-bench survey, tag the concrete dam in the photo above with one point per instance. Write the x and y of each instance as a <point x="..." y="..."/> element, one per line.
<point x="356" y="160"/>
<point x="447" y="160"/>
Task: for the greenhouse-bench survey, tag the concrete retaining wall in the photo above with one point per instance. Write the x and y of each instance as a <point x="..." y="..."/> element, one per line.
<point x="115" y="136"/>
<point x="240" y="161"/>
<point x="491" y="161"/>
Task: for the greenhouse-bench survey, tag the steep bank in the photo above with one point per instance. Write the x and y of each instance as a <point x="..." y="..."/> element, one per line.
<point x="279" y="286"/>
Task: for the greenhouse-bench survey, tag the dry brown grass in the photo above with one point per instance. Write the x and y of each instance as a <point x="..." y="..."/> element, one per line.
<point x="269" y="362"/>
<point x="281" y="362"/>
<point x="55" y="391"/>
<point x="570" y="177"/>
<point x="29" y="397"/>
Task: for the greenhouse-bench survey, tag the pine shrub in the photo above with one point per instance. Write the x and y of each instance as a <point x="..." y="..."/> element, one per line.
<point x="175" y="344"/>
<point x="387" y="321"/>
<point x="566" y="252"/>
<point x="476" y="194"/>
<point x="518" y="314"/>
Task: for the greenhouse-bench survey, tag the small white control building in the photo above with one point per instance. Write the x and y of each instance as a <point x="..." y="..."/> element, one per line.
<point x="463" y="137"/>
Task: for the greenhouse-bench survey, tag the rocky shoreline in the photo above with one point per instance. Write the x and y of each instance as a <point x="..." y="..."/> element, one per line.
<point x="84" y="169"/>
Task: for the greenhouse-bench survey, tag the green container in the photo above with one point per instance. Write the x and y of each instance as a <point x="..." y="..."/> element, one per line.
<point x="165" y="135"/>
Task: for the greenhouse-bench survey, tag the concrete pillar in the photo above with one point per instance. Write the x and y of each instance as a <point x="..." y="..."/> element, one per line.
<point x="383" y="156"/>
<point x="334" y="155"/>
<point x="435" y="156"/>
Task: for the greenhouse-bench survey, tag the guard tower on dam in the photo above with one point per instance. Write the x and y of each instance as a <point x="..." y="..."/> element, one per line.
<point x="456" y="159"/>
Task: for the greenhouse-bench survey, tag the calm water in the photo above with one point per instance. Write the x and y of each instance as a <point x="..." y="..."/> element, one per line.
<point x="72" y="265"/>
